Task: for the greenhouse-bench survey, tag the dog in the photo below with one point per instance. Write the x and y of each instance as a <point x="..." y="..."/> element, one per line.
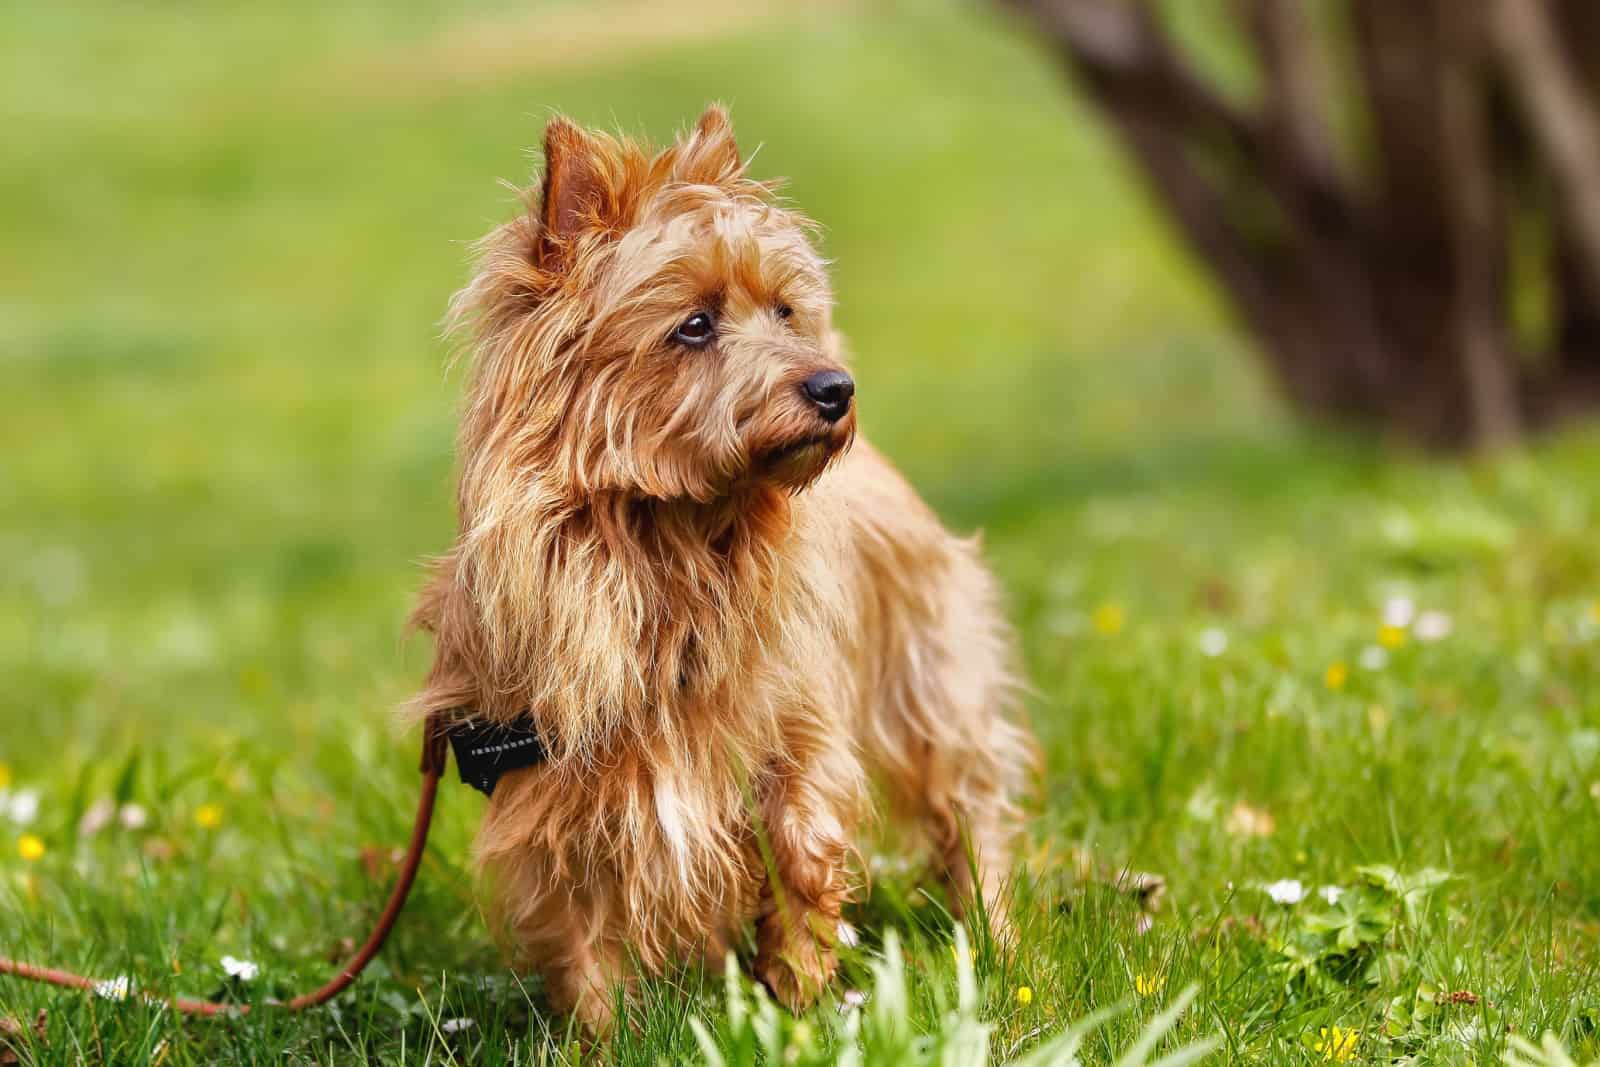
<point x="738" y="630"/>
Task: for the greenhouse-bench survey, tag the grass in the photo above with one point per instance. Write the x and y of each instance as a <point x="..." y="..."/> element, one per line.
<point x="228" y="239"/>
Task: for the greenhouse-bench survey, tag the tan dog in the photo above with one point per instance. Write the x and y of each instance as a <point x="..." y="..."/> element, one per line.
<point x="725" y="619"/>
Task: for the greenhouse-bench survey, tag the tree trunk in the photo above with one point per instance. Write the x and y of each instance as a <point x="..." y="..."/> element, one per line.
<point x="1374" y="269"/>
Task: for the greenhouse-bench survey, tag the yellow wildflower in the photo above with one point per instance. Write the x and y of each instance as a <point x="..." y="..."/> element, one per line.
<point x="1391" y="636"/>
<point x="208" y="816"/>
<point x="1336" y="675"/>
<point x="30" y="847"/>
<point x="1148" y="986"/>
<point x="1109" y="617"/>
<point x="1024" y="995"/>
<point x="5" y="776"/>
<point x="1336" y="1043"/>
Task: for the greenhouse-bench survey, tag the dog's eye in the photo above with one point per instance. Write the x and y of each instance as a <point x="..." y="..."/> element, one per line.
<point x="785" y="311"/>
<point x="696" y="330"/>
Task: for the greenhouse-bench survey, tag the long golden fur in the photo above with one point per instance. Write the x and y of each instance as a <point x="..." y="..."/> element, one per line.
<point x="727" y="620"/>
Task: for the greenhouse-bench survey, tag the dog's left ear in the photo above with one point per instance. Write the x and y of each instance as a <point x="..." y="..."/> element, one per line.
<point x="710" y="154"/>
<point x="574" y="184"/>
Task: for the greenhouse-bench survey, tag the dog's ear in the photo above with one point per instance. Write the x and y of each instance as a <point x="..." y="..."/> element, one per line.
<point x="710" y="154"/>
<point x="575" y="186"/>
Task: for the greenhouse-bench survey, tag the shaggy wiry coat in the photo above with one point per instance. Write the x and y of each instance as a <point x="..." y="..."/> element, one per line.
<point x="729" y="615"/>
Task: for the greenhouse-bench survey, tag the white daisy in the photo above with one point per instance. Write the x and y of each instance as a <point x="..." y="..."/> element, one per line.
<point x="853" y="998"/>
<point x="23" y="806"/>
<point x="1330" y="893"/>
<point x="1434" y="626"/>
<point x="116" y="988"/>
<point x="1213" y="641"/>
<point x="1373" y="658"/>
<point x="456" y="1026"/>
<point x="243" y="970"/>
<point x="1285" y="891"/>
<point x="133" y="817"/>
<point x="1398" y="611"/>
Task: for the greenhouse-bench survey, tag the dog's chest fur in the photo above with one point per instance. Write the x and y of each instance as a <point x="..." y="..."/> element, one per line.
<point x="679" y="675"/>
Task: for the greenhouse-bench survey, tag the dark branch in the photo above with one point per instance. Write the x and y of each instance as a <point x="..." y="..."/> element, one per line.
<point x="1553" y="99"/>
<point x="1123" y="43"/>
<point x="1477" y="297"/>
<point x="1297" y="88"/>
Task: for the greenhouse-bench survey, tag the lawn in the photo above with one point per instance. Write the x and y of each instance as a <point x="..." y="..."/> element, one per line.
<point x="1262" y="655"/>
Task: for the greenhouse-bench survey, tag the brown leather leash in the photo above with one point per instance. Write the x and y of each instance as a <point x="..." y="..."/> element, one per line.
<point x="435" y="753"/>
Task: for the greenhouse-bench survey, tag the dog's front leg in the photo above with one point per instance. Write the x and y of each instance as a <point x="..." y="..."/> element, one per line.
<point x="808" y="816"/>
<point x="584" y="983"/>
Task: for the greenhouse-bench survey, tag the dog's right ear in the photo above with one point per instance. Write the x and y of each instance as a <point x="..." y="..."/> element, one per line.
<point x="575" y="186"/>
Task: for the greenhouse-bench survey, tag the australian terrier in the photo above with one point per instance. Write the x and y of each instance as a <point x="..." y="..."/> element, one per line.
<point x="738" y="631"/>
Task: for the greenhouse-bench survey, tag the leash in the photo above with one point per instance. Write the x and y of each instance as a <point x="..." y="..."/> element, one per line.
<point x="436" y="733"/>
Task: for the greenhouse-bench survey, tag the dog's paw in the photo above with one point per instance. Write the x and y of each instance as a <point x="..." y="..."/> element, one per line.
<point x="795" y="962"/>
<point x="596" y="1015"/>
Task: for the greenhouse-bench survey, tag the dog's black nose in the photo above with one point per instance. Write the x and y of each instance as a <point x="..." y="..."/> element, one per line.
<point x="831" y="391"/>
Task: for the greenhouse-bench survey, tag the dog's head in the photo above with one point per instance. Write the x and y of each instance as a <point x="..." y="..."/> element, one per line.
<point x="655" y="325"/>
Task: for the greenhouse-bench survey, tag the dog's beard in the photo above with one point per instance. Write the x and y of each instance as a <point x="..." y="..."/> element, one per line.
<point x="796" y="463"/>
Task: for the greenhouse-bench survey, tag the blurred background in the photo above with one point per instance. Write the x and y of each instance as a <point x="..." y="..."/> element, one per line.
<point x="230" y="234"/>
<point x="1224" y="362"/>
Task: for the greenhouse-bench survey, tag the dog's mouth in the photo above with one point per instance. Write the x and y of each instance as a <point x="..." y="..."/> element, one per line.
<point x="799" y="461"/>
<point x="797" y="448"/>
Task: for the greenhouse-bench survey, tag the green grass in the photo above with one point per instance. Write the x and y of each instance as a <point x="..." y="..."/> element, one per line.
<point x="228" y="238"/>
